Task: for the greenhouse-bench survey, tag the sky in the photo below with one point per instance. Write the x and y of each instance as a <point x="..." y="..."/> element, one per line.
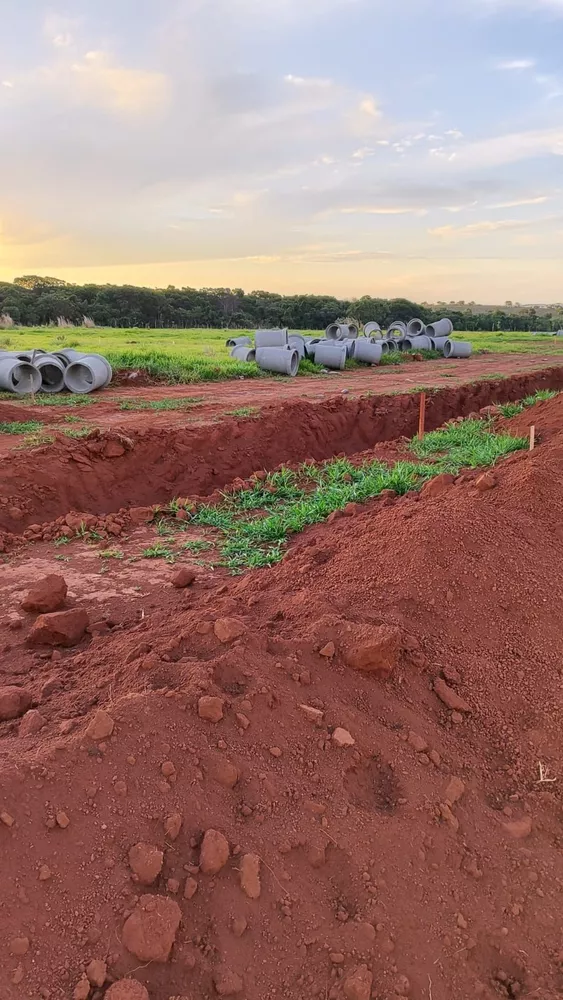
<point x="346" y="147"/>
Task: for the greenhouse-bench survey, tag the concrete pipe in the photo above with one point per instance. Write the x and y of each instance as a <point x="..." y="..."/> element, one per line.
<point x="442" y="328"/>
<point x="243" y="352"/>
<point x="367" y="351"/>
<point x="340" y="331"/>
<point x="384" y="344"/>
<point x="282" y="360"/>
<point x="349" y="344"/>
<point x="393" y="346"/>
<point x="457" y="349"/>
<point x="397" y="330"/>
<point x="372" y="329"/>
<point x="87" y="374"/>
<point x="19" y="376"/>
<point x="52" y="373"/>
<point x="438" y="343"/>
<point x="415" y="327"/>
<point x="271" y="338"/>
<point x="297" y="343"/>
<point x="310" y="347"/>
<point x="331" y="355"/>
<point x="422" y="343"/>
<point x="239" y="342"/>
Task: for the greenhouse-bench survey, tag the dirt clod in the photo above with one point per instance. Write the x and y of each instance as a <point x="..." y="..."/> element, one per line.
<point x="183" y="577"/>
<point x="449" y="697"/>
<point x="149" y="933"/>
<point x="228" y="629"/>
<point x="519" y="829"/>
<point x="374" y="649"/>
<point x="214" y="853"/>
<point x="101" y="727"/>
<point x="97" y="972"/>
<point x="127" y="989"/>
<point x="210" y="708"/>
<point x="250" y="875"/>
<point x="172" y="826"/>
<point x="227" y="983"/>
<point x="31" y="723"/>
<point x="46" y="595"/>
<point x="342" y="738"/>
<point x="357" y="985"/>
<point x="145" y="861"/>
<point x="14" y="702"/>
<point x="61" y="628"/>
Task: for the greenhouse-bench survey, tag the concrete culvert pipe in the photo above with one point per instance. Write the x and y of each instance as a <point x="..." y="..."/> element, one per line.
<point x="442" y="328"/>
<point x="367" y="351"/>
<point x="283" y="360"/>
<point x="438" y="343"/>
<point x="52" y="373"/>
<point x="243" y="352"/>
<point x="311" y="345"/>
<point x="271" y="338"/>
<point x="397" y="330"/>
<point x="19" y="376"/>
<point x="384" y="344"/>
<point x="393" y="346"/>
<point x="340" y="331"/>
<point x="297" y="343"/>
<point x="239" y="342"/>
<point x="331" y="356"/>
<point x="422" y="343"/>
<point x="349" y="344"/>
<point x="371" y="329"/>
<point x="457" y="349"/>
<point x="87" y="374"/>
<point x="415" y="327"/>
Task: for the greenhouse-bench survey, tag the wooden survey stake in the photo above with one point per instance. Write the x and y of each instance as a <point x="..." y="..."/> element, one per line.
<point x="422" y="415"/>
<point x="532" y="437"/>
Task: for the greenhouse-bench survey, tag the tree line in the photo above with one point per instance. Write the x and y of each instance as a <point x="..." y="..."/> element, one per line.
<point x="36" y="301"/>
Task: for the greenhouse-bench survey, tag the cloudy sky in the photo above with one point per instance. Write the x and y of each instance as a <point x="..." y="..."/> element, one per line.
<point x="343" y="146"/>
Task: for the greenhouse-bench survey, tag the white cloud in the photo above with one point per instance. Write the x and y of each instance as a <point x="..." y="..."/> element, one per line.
<point x="510" y="148"/>
<point x="488" y="226"/>
<point x="8" y="84"/>
<point x="515" y="64"/>
<point x="98" y="81"/>
<point x="540" y="200"/>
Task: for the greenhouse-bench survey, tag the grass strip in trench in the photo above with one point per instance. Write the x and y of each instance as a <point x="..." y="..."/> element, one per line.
<point x="513" y="409"/>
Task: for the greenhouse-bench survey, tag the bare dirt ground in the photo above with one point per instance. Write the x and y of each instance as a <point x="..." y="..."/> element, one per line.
<point x="339" y="778"/>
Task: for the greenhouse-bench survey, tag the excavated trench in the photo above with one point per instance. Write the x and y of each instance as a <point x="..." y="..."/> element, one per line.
<point x="106" y="473"/>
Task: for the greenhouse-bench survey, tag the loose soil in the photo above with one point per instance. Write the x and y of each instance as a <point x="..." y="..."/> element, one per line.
<point x="371" y="842"/>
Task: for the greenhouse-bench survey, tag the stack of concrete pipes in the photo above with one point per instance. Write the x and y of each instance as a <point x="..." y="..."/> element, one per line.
<point x="37" y="370"/>
<point x="281" y="350"/>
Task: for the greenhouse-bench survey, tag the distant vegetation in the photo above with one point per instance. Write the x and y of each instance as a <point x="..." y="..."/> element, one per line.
<point x="36" y="301"/>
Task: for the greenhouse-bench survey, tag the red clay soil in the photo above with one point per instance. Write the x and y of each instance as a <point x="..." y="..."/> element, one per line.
<point x="124" y="467"/>
<point x="400" y="835"/>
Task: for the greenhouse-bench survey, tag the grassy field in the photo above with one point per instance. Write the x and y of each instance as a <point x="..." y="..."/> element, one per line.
<point x="201" y="355"/>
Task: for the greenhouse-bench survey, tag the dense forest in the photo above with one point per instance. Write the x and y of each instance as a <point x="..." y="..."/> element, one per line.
<point x="35" y="301"/>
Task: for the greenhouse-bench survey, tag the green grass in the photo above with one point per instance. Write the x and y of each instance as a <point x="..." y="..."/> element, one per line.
<point x="25" y="427"/>
<point x="244" y="411"/>
<point x="181" y="403"/>
<point x="513" y="409"/>
<point x="196" y="545"/>
<point x="76" y="432"/>
<point x="255" y="524"/>
<point x="158" y="551"/>
<point x="111" y="554"/>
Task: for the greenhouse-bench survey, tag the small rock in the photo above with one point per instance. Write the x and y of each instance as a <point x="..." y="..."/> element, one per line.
<point x="172" y="826"/>
<point x="239" y="926"/>
<point x="313" y="714"/>
<point x="46" y="595"/>
<point x="184" y="577"/>
<point x="19" y="946"/>
<point x="417" y="742"/>
<point x="173" y="885"/>
<point x="455" y="790"/>
<point x="227" y="983"/>
<point x="145" y="861"/>
<point x="328" y="650"/>
<point x="113" y="449"/>
<point x="6" y="819"/>
<point x="448" y="816"/>
<point x="210" y="708"/>
<point x="101" y="726"/>
<point x="357" y="986"/>
<point x="275" y="752"/>
<point x="97" y="972"/>
<point x="62" y="819"/>
<point x="14" y="702"/>
<point x="31" y="723"/>
<point x="374" y="649"/>
<point x="61" y="628"/>
<point x="449" y="697"/>
<point x="44" y="873"/>
<point x="214" y="853"/>
<point x="242" y="720"/>
<point x="127" y="989"/>
<point x="224" y="773"/>
<point x="342" y="738"/>
<point x="486" y="482"/>
<point x="519" y="829"/>
<point x="228" y="629"/>
<point x="18" y="975"/>
<point x="81" y="990"/>
<point x="149" y="933"/>
<point x="190" y="888"/>
<point x="438" y="485"/>
<point x="250" y="875"/>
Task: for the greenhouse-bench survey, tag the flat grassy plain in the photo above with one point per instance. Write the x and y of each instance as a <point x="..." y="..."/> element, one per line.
<point x="201" y="355"/>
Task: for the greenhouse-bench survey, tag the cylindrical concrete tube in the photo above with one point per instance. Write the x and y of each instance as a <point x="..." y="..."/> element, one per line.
<point x="349" y="344"/>
<point x="278" y="359"/>
<point x="311" y="345"/>
<point x="271" y="338"/>
<point x="457" y="349"/>
<point x="422" y="343"/>
<point x="384" y="344"/>
<point x="331" y="355"/>
<point x="239" y="342"/>
<point x="341" y="331"/>
<point x="415" y="327"/>
<point x="442" y="328"/>
<point x="371" y="329"/>
<point x="52" y="373"/>
<point x="367" y="352"/>
<point x="353" y="331"/>
<point x="243" y="352"/>
<point x="19" y="376"/>
<point x="297" y="343"/>
<point x="397" y="330"/>
<point x="393" y="346"/>
<point x="438" y="343"/>
<point x="87" y="374"/>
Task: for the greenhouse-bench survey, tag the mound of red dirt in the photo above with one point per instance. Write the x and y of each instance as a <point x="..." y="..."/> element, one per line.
<point x="339" y="778"/>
